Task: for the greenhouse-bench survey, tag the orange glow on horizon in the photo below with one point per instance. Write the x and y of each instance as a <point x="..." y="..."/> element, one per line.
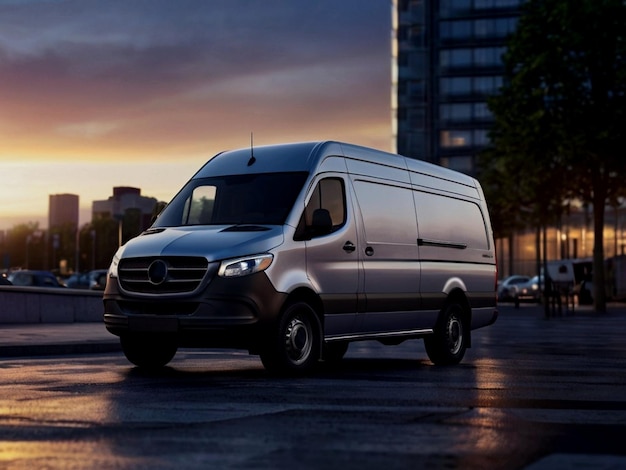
<point x="150" y="98"/>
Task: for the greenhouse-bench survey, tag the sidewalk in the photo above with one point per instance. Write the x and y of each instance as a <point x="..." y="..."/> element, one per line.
<point x="41" y="339"/>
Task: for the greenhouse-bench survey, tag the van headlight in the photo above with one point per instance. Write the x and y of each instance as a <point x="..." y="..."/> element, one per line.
<point x="116" y="261"/>
<point x="244" y="266"/>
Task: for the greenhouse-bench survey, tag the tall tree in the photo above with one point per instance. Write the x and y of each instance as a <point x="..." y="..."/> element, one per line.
<point x="562" y="108"/>
<point x="99" y="242"/>
<point x="24" y="247"/>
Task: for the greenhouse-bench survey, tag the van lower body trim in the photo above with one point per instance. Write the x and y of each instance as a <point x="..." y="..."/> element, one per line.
<point x="386" y="334"/>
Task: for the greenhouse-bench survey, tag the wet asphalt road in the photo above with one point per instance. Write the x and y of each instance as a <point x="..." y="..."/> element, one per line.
<point x="532" y="393"/>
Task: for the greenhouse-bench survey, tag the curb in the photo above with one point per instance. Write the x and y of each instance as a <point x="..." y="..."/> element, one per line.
<point x="67" y="349"/>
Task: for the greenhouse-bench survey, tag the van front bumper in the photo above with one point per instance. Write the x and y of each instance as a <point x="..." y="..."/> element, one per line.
<point x="228" y="313"/>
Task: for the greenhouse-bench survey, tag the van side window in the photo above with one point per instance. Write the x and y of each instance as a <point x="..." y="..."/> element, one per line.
<point x="329" y="194"/>
<point x="199" y="207"/>
<point x="388" y="213"/>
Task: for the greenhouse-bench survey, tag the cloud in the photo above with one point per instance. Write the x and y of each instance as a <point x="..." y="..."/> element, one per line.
<point x="86" y="77"/>
<point x="87" y="129"/>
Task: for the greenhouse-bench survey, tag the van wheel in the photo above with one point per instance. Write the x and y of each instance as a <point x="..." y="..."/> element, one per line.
<point x="449" y="342"/>
<point x="294" y="345"/>
<point x="148" y="351"/>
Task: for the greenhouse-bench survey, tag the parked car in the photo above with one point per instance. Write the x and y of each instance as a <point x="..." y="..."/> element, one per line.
<point x="529" y="291"/>
<point x="98" y="279"/>
<point x="4" y="281"/>
<point x="508" y="288"/>
<point x="27" y="277"/>
<point x="77" y="281"/>
<point x="94" y="280"/>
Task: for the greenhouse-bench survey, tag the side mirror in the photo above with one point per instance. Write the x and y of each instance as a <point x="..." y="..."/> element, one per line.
<point x="321" y="223"/>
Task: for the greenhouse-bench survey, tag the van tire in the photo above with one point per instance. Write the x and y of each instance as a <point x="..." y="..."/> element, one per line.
<point x="449" y="342"/>
<point x="148" y="351"/>
<point x="294" y="344"/>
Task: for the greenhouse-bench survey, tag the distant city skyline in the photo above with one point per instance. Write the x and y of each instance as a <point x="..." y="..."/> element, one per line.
<point x="101" y="94"/>
<point x="63" y="210"/>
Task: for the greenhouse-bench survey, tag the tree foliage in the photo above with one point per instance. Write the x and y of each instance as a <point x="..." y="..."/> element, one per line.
<point x="561" y="113"/>
<point x="24" y="246"/>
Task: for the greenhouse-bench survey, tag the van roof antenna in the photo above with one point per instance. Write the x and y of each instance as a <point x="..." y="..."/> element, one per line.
<point x="252" y="159"/>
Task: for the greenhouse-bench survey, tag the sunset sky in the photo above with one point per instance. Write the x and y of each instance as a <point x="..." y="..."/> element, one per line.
<point x="96" y="94"/>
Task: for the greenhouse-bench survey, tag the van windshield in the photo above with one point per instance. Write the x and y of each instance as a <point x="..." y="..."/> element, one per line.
<point x="264" y="198"/>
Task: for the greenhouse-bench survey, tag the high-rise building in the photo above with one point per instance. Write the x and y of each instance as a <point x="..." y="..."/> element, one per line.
<point x="447" y="61"/>
<point x="63" y="211"/>
<point x="125" y="199"/>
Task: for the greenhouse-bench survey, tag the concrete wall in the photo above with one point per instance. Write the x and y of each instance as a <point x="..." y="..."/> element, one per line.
<point x="49" y="305"/>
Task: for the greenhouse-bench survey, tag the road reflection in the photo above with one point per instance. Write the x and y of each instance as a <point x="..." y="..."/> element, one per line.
<point x="528" y="387"/>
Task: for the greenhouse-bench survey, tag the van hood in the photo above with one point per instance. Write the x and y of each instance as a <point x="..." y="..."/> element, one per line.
<point x="214" y="243"/>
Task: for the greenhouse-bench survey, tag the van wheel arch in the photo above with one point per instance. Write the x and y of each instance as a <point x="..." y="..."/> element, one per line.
<point x="459" y="297"/>
<point x="309" y="297"/>
<point x="294" y="341"/>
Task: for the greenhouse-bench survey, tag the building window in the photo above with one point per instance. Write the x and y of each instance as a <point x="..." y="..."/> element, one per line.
<point x="416" y="118"/>
<point x="460" y="86"/>
<point x="480" y="137"/>
<point x="488" y="56"/>
<point x="505" y="26"/>
<point x="487" y="85"/>
<point x="454" y="86"/>
<point x="456" y="112"/>
<point x="489" y="4"/>
<point x="454" y="7"/>
<point x="416" y="61"/>
<point x="482" y="111"/>
<point x="417" y="36"/>
<point x="479" y="57"/>
<point x="452" y="138"/>
<point x="456" y="29"/>
<point x="416" y="89"/>
<point x="403" y="59"/>
<point x="455" y="138"/>
<point x="455" y="58"/>
<point x="494" y="27"/>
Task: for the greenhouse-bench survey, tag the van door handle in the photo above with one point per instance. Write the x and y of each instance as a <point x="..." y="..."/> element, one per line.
<point x="369" y="251"/>
<point x="349" y="247"/>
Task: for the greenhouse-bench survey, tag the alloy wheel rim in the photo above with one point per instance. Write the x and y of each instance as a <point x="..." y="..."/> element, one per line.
<point x="455" y="335"/>
<point x="298" y="340"/>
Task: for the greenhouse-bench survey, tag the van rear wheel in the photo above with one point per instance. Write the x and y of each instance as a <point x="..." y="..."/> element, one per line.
<point x="148" y="351"/>
<point x="294" y="344"/>
<point x="449" y="342"/>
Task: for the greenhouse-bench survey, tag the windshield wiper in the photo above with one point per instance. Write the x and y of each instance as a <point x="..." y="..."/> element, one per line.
<point x="245" y="228"/>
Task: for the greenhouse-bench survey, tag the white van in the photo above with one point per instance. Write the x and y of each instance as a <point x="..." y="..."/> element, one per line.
<point x="293" y="251"/>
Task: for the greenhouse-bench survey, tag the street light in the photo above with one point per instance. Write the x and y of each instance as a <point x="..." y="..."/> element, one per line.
<point x="120" y="219"/>
<point x="28" y="239"/>
<point x="93" y="249"/>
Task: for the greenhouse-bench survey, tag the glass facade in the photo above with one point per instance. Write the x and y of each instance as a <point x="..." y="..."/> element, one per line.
<point x="447" y="61"/>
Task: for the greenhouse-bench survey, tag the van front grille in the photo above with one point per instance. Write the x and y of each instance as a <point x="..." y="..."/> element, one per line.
<point x="162" y="275"/>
